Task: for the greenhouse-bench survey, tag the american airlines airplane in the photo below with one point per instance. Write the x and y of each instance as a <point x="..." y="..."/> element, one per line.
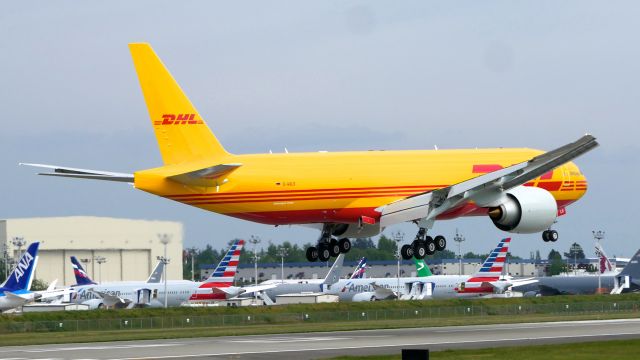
<point x="151" y="293"/>
<point x="487" y="281"/>
<point x="345" y="194"/>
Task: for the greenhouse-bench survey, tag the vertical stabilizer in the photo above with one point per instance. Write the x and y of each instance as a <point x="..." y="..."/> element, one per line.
<point x="225" y="272"/>
<point x="181" y="133"/>
<point x="22" y="275"/>
<point x="82" y="278"/>
<point x="494" y="264"/>
<point x="360" y="269"/>
<point x="156" y="274"/>
<point x="335" y="272"/>
<point x="422" y="270"/>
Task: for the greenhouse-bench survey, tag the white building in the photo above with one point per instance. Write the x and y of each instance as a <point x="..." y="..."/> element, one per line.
<point x="130" y="247"/>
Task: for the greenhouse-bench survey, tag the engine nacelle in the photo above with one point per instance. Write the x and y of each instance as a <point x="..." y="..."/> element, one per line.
<point x="525" y="210"/>
<point x="364" y="296"/>
<point x="94" y="304"/>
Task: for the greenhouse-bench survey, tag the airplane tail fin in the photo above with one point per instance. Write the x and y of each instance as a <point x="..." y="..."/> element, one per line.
<point x="422" y="270"/>
<point x="225" y="272"/>
<point x="82" y="278"/>
<point x="494" y="264"/>
<point x="604" y="262"/>
<point x="181" y="133"/>
<point x="633" y="267"/>
<point x="156" y="274"/>
<point x="336" y="270"/>
<point x="360" y="270"/>
<point x="22" y="275"/>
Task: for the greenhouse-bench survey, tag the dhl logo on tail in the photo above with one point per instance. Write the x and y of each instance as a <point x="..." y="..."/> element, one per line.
<point x="179" y="119"/>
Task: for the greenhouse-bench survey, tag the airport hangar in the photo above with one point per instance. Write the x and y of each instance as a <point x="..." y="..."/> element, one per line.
<point x="130" y="247"/>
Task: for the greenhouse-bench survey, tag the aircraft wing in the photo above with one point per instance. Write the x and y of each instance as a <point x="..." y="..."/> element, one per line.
<point x="109" y="300"/>
<point x="484" y="189"/>
<point x="17" y="298"/>
<point x="69" y="172"/>
<point x="382" y="292"/>
<point x="522" y="282"/>
<point x="234" y="291"/>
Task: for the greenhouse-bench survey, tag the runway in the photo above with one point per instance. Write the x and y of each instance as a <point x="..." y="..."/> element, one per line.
<point x="323" y="345"/>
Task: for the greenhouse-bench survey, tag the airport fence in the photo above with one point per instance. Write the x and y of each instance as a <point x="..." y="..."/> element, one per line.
<point x="219" y="320"/>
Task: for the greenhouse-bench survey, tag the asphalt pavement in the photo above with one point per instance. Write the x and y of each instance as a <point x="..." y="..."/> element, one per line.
<point x="330" y="344"/>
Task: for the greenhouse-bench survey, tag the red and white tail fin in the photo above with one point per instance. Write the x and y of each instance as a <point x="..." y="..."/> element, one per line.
<point x="605" y="265"/>
<point x="482" y="281"/>
<point x="494" y="265"/>
<point x="226" y="270"/>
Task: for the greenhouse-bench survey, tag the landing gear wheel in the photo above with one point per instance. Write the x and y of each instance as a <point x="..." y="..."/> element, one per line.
<point x="312" y="254"/>
<point x="430" y="246"/>
<point x="441" y="242"/>
<point x="345" y="245"/>
<point x="334" y="248"/>
<point x="550" y="235"/>
<point x="406" y="251"/>
<point x="323" y="253"/>
<point x="419" y="249"/>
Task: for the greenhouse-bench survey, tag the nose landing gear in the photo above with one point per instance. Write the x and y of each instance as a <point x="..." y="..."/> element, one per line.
<point x="550" y="235"/>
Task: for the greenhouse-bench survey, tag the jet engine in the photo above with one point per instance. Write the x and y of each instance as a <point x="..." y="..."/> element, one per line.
<point x="365" y="296"/>
<point x="525" y="210"/>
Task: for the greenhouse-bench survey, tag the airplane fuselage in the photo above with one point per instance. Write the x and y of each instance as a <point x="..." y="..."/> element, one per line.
<point x="342" y="187"/>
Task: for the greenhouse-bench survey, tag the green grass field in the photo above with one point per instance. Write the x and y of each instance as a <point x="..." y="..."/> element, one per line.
<point x="615" y="349"/>
<point x="139" y="324"/>
<point x="491" y="305"/>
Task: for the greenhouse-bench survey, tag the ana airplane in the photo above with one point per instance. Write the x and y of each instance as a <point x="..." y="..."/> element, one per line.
<point x="345" y="194"/>
<point x="15" y="290"/>
<point x="151" y="292"/>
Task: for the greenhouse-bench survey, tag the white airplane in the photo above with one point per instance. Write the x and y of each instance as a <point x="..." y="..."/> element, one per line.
<point x="151" y="293"/>
<point x="487" y="281"/>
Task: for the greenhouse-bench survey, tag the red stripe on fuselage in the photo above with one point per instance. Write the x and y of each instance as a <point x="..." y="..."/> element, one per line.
<point x="375" y="188"/>
<point x="347" y="215"/>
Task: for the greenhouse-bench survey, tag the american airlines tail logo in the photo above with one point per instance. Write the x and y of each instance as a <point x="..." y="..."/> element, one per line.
<point x="22" y="266"/>
<point x="178" y="119"/>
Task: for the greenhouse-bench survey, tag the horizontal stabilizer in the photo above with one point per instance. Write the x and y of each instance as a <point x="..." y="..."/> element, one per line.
<point x="62" y="171"/>
<point x="205" y="177"/>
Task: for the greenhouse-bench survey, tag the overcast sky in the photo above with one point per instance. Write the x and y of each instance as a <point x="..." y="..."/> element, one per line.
<point x="330" y="75"/>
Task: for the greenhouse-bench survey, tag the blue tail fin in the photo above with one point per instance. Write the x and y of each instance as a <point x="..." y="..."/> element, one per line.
<point x="82" y="278"/>
<point x="22" y="275"/>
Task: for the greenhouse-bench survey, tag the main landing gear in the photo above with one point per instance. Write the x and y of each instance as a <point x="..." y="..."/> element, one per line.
<point x="423" y="245"/>
<point x="550" y="235"/>
<point x="328" y="246"/>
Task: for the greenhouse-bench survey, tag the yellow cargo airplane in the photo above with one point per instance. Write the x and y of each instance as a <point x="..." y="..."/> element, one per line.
<point x="345" y="194"/>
